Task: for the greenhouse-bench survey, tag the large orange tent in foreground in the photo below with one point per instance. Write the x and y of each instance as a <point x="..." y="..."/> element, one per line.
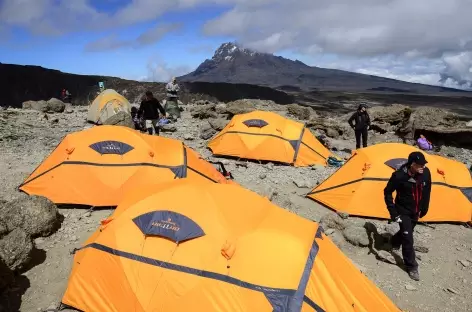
<point x="267" y="136"/>
<point x="95" y="166"/>
<point x="182" y="246"/>
<point x="357" y="187"/>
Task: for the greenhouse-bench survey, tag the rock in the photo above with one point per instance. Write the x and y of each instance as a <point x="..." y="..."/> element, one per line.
<point x="6" y="276"/>
<point x="392" y="228"/>
<point x="333" y="221"/>
<point x="3" y="227"/>
<point x="356" y="235"/>
<point x="121" y="119"/>
<point x="69" y="109"/>
<point x="239" y="107"/>
<point x="420" y="247"/>
<point x="168" y="128"/>
<point x="262" y="176"/>
<point x="332" y="133"/>
<point x="465" y="263"/>
<point x="301" y="183"/>
<point x="221" y="108"/>
<point x="329" y="231"/>
<point x="410" y="287"/>
<point x="37" y="215"/>
<point x="202" y="102"/>
<point x="386" y="256"/>
<point x="343" y="215"/>
<point x="218" y="124"/>
<point x="469" y="124"/>
<point x="452" y="290"/>
<point x="389" y="115"/>
<point x="300" y="112"/>
<point x="188" y="137"/>
<point x="16" y="249"/>
<point x="41" y="106"/>
<point x="206" y="131"/>
<point x="56" y="106"/>
<point x="204" y="111"/>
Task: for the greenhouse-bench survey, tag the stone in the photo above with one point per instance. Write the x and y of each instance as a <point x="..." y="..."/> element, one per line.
<point x="120" y="119"/>
<point x="301" y="183"/>
<point x="218" y="124"/>
<point x="206" y="131"/>
<point x="391" y="228"/>
<point x="329" y="231"/>
<point x="386" y="256"/>
<point x="469" y="124"/>
<point x="333" y="221"/>
<point x="343" y="215"/>
<point x="41" y="106"/>
<point x="420" y="247"/>
<point x="300" y="112"/>
<point x="204" y="111"/>
<point x="239" y="107"/>
<point x="188" y="137"/>
<point x="332" y="133"/>
<point x="262" y="176"/>
<point x="37" y="215"/>
<point x="356" y="235"/>
<point x="464" y="263"/>
<point x="410" y="287"/>
<point x="16" y="249"/>
<point x="56" y="106"/>
<point x="168" y="128"/>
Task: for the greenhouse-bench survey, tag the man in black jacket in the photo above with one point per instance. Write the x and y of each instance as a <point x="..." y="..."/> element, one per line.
<point x="412" y="183"/>
<point x="361" y="126"/>
<point x="149" y="111"/>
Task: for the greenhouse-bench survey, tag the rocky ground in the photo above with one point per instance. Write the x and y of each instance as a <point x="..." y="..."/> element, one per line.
<point x="27" y="136"/>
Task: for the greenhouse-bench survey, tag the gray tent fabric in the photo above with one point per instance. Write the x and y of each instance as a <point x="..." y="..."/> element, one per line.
<point x="111" y="147"/>
<point x="396" y="163"/>
<point x="259" y="123"/>
<point x="169" y="224"/>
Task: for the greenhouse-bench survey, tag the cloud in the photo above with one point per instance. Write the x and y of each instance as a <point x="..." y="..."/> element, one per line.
<point x="150" y="36"/>
<point x="160" y="71"/>
<point x="420" y="29"/>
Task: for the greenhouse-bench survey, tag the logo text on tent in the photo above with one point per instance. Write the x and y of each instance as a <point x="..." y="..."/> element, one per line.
<point x="259" y="123"/>
<point x="111" y="147"/>
<point x="166" y="224"/>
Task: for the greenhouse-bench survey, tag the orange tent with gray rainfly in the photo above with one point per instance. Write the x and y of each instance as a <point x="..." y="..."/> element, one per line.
<point x="267" y="136"/>
<point x="357" y="187"/>
<point x="183" y="246"/>
<point x="108" y="103"/>
<point x="96" y="166"/>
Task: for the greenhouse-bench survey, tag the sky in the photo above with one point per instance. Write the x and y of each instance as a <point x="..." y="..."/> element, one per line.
<point x="426" y="41"/>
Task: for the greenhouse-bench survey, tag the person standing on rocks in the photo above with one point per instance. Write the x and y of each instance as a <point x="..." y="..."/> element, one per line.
<point x="360" y="122"/>
<point x="172" y="102"/>
<point x="149" y="111"/>
<point x="412" y="184"/>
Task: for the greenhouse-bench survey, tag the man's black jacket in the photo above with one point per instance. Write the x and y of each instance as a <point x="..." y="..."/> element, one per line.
<point x="362" y="120"/>
<point x="412" y="193"/>
<point x="149" y="109"/>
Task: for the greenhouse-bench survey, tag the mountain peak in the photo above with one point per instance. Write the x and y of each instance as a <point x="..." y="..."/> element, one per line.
<point x="228" y="50"/>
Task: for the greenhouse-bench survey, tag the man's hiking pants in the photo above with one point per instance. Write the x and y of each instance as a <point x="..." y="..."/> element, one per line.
<point x="404" y="237"/>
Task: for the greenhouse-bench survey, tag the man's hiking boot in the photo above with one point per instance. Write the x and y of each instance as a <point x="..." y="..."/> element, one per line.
<point x="414" y="275"/>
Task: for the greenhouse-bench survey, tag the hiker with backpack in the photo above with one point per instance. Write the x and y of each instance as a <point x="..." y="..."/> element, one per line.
<point x="172" y="101"/>
<point x="360" y="122"/>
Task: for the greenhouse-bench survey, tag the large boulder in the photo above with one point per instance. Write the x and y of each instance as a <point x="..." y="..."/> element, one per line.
<point x="299" y="112"/>
<point x="37" y="215"/>
<point x="204" y="111"/>
<point x="52" y="106"/>
<point x="206" y="131"/>
<point x="16" y="249"/>
<point x="218" y="124"/>
<point x="238" y="107"/>
<point x="121" y="119"/>
<point x="56" y="106"/>
<point x="332" y="127"/>
<point x="41" y="106"/>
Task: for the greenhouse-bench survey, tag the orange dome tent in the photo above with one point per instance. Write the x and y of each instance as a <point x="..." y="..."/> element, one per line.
<point x="218" y="248"/>
<point x="262" y="135"/>
<point x="357" y="187"/>
<point x="95" y="166"/>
